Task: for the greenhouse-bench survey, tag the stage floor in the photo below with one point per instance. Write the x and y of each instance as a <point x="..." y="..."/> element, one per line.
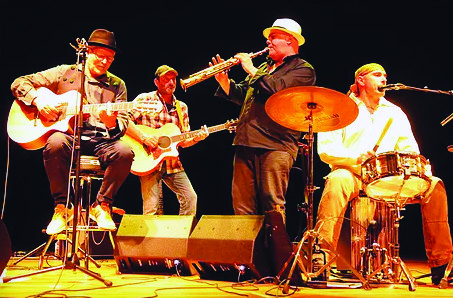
<point x="75" y="283"/>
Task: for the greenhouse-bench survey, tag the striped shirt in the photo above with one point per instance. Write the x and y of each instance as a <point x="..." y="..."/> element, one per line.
<point x="167" y="114"/>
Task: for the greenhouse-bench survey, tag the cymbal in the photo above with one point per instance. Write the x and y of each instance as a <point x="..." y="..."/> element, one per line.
<point x="330" y="109"/>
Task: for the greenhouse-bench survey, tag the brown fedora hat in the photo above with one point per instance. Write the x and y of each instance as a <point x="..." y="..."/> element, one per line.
<point x="103" y="38"/>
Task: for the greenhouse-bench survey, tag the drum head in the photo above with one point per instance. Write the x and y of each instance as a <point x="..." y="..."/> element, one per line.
<point x="390" y="187"/>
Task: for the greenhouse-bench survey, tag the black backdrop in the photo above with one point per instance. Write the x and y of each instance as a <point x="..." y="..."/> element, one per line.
<point x="412" y="41"/>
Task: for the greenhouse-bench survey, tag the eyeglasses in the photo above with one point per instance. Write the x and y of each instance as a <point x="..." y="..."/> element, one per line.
<point x="101" y="57"/>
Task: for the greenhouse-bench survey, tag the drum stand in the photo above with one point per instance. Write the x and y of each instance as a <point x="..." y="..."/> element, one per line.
<point x="393" y="263"/>
<point x="311" y="237"/>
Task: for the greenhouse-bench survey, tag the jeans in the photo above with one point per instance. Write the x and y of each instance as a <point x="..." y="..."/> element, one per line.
<point x="342" y="186"/>
<point x="115" y="156"/>
<point x="260" y="180"/>
<point x="178" y="182"/>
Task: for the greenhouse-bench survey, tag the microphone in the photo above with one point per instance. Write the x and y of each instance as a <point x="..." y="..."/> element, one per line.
<point x="396" y="86"/>
<point x="82" y="45"/>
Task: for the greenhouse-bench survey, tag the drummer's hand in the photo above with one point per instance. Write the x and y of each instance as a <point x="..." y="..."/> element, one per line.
<point x="364" y="156"/>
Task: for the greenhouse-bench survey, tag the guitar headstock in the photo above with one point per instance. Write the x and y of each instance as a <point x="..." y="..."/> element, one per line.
<point x="231" y="125"/>
<point x="149" y="107"/>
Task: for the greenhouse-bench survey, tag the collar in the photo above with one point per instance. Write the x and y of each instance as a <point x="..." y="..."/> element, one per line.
<point x="102" y="79"/>
<point x="286" y="59"/>
<point x="173" y="99"/>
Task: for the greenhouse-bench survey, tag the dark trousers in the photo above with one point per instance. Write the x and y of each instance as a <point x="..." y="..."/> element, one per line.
<point x="115" y="156"/>
<point x="260" y="180"/>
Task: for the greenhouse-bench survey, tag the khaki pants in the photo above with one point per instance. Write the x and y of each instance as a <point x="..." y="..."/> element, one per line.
<point x="342" y="186"/>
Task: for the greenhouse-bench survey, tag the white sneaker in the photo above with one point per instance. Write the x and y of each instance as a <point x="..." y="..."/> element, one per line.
<point x="59" y="219"/>
<point x="101" y="214"/>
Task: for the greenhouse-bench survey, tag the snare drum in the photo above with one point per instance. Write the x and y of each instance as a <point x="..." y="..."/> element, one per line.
<point x="396" y="174"/>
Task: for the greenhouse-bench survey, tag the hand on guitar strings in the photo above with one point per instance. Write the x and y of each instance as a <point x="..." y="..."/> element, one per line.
<point x="150" y="142"/>
<point x="49" y="109"/>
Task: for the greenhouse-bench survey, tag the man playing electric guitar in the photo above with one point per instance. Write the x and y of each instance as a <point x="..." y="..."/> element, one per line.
<point x="170" y="170"/>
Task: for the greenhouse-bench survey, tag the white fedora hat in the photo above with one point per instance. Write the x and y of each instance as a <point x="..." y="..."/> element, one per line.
<point x="289" y="26"/>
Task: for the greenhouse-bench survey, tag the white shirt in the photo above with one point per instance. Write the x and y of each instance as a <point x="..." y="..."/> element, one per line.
<point x="342" y="147"/>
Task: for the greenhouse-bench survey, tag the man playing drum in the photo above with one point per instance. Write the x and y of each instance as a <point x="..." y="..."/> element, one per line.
<point x="379" y="127"/>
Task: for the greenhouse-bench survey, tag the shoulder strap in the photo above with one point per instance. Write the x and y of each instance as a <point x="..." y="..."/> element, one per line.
<point x="179" y="111"/>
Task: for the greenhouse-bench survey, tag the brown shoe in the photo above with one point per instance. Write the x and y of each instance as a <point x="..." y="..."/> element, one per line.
<point x="101" y="214"/>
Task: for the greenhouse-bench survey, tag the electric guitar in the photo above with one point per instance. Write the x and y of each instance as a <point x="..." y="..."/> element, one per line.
<point x="27" y="127"/>
<point x="146" y="161"/>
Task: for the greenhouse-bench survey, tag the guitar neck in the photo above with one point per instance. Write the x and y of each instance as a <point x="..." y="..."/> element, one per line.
<point x="90" y="108"/>
<point x="191" y="134"/>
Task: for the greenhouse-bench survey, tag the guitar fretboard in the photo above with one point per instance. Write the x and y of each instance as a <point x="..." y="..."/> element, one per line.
<point x="90" y="108"/>
<point x="191" y="134"/>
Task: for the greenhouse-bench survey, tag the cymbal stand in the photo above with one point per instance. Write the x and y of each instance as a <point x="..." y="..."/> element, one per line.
<point x="309" y="204"/>
<point x="72" y="261"/>
<point x="311" y="236"/>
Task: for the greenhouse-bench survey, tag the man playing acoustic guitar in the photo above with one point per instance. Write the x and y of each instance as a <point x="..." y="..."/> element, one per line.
<point x="171" y="112"/>
<point x="101" y="133"/>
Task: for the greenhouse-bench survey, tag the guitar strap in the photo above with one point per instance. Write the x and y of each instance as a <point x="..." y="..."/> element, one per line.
<point x="179" y="111"/>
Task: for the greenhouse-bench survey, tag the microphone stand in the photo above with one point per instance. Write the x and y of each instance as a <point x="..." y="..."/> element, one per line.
<point x="72" y="261"/>
<point x="400" y="86"/>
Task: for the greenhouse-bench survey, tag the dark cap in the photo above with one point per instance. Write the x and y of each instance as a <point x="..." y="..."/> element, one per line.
<point x="163" y="69"/>
<point x="103" y="38"/>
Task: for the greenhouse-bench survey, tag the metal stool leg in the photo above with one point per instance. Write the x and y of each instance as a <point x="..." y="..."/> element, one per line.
<point x="84" y="223"/>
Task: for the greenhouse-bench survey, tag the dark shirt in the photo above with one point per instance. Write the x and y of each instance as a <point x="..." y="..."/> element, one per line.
<point x="63" y="78"/>
<point x="255" y="128"/>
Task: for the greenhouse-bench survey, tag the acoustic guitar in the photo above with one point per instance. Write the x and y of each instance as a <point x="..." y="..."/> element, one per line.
<point x="27" y="127"/>
<point x="169" y="137"/>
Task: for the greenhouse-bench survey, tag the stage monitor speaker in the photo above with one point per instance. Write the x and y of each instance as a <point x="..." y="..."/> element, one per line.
<point x="226" y="247"/>
<point x="5" y="247"/>
<point x="153" y="244"/>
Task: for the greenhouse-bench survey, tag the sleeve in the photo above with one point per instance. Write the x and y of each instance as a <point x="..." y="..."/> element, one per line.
<point x="237" y="92"/>
<point x="122" y="119"/>
<point x="24" y="87"/>
<point x="332" y="151"/>
<point x="406" y="140"/>
<point x="135" y="114"/>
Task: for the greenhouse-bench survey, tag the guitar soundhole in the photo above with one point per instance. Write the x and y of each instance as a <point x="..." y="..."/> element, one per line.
<point x="164" y="142"/>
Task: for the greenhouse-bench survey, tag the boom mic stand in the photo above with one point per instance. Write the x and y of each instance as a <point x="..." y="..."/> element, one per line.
<point x="399" y="86"/>
<point x="72" y="261"/>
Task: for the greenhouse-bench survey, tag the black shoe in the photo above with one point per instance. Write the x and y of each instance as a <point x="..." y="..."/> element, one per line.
<point x="437" y="273"/>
